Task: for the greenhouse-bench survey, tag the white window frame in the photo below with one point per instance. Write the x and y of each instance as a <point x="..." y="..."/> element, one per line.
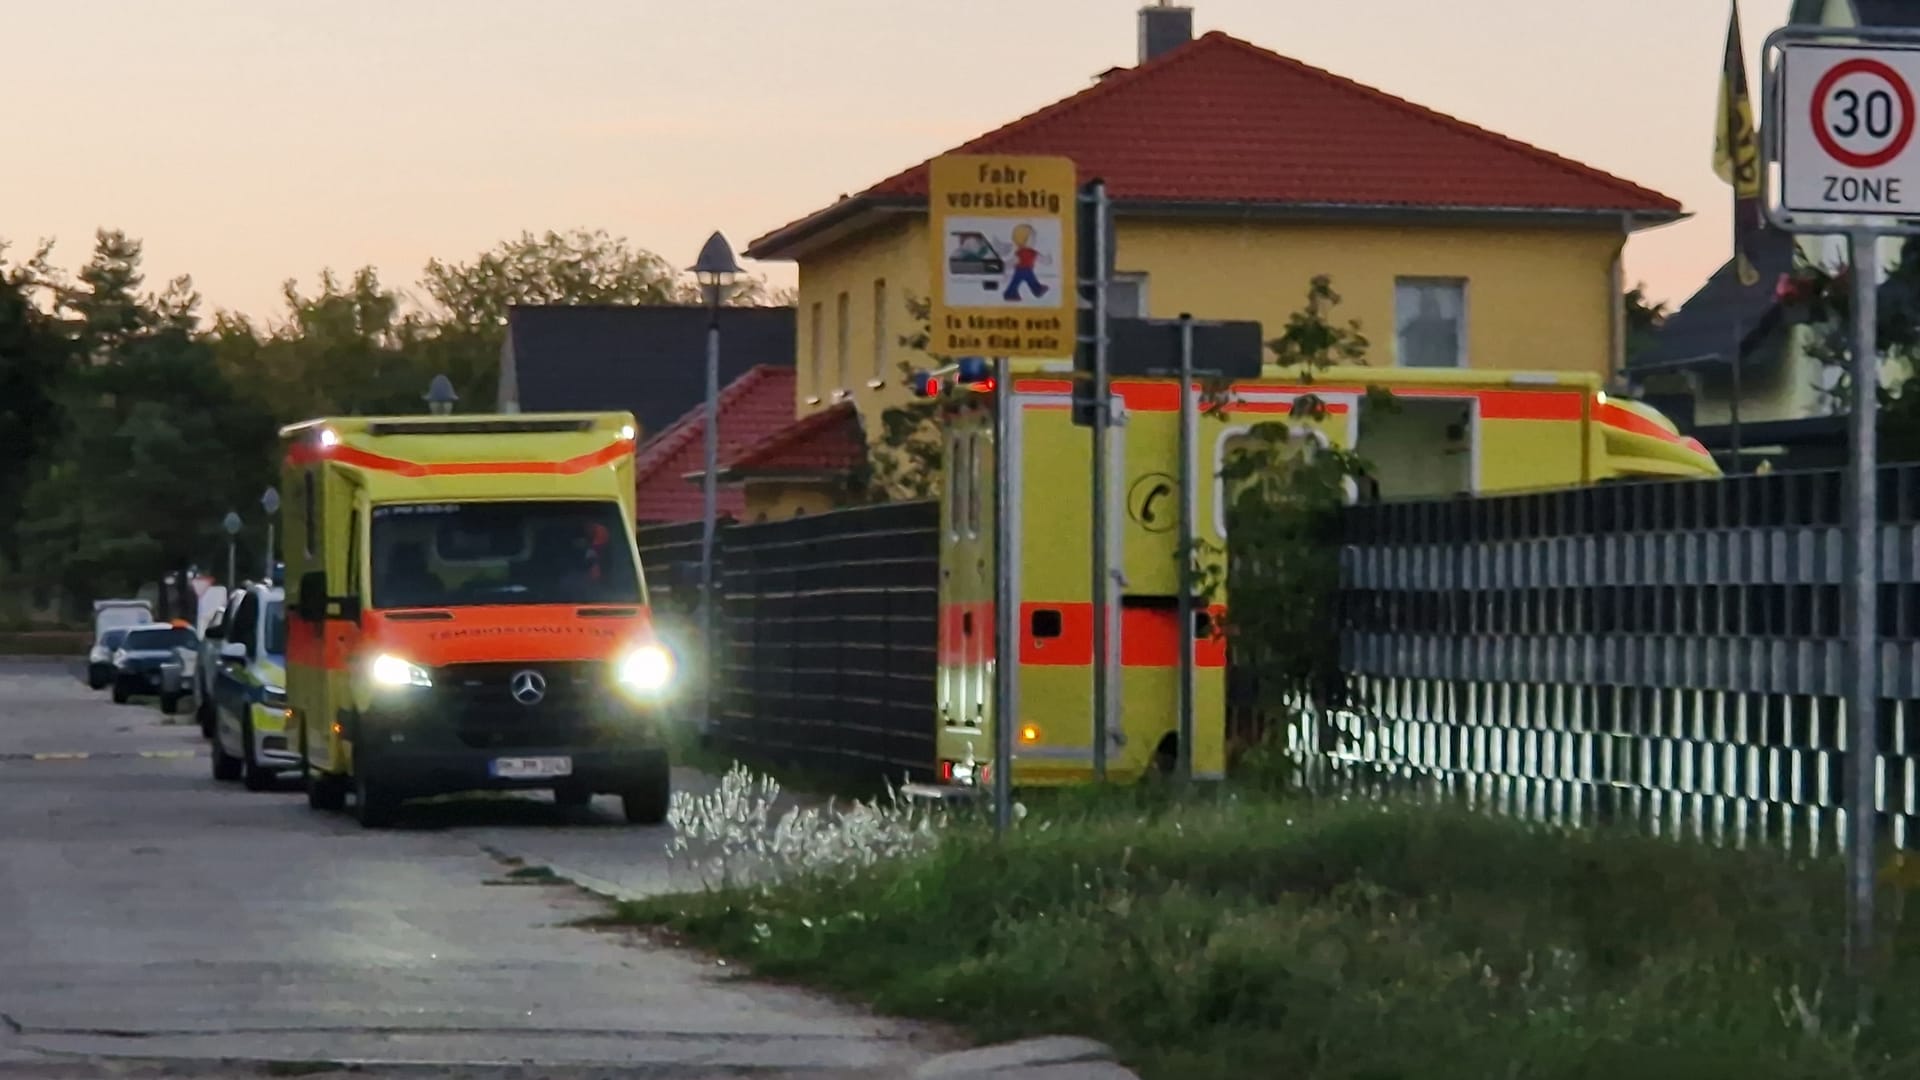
<point x="1461" y="357"/>
<point x="843" y="343"/>
<point x="880" y="328"/>
<point x="818" y="344"/>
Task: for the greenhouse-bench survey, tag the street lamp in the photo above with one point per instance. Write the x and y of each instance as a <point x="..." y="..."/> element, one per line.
<point x="440" y="396"/>
<point x="715" y="271"/>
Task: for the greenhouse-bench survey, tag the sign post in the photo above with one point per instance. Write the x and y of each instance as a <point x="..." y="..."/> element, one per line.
<point x="1003" y="235"/>
<point x="231" y="523"/>
<point x="1839" y="127"/>
<point x="270" y="502"/>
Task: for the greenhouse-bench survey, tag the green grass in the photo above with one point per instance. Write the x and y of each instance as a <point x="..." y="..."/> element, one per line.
<point x="1258" y="936"/>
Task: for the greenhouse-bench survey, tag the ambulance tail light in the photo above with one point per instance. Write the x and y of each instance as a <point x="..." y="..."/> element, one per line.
<point x="924" y="384"/>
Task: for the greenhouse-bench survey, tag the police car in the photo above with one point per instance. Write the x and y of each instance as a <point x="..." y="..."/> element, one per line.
<point x="250" y="730"/>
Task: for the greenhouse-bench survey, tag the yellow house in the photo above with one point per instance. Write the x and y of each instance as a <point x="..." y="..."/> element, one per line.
<point x="1237" y="175"/>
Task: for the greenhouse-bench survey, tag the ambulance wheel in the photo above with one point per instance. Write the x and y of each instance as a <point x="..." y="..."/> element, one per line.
<point x="1166" y="758"/>
<point x="226" y="767"/>
<point x="326" y="792"/>
<point x="646" y="803"/>
<point x="252" y="773"/>
<point x="373" y="806"/>
<point x="572" y="797"/>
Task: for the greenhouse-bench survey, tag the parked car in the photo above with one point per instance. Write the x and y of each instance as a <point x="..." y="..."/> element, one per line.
<point x="207" y="668"/>
<point x="100" y="659"/>
<point x="136" y="663"/>
<point x="250" y="730"/>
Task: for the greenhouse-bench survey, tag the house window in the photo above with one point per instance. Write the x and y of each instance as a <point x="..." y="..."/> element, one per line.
<point x="817" y="347"/>
<point x="880" y="328"/>
<point x="1430" y="322"/>
<point x="843" y="355"/>
<point x="1127" y="295"/>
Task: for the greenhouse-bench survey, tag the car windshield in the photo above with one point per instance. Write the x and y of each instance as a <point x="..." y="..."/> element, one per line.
<point x="464" y="554"/>
<point x="112" y="638"/>
<point x="276" y="628"/>
<point x="122" y="618"/>
<point x="157" y="640"/>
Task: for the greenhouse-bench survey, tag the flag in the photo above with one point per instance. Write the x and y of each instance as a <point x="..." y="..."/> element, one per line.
<point x="1736" y="152"/>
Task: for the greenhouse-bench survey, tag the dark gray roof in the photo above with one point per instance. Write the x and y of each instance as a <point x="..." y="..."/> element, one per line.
<point x="1887" y="12"/>
<point x="1704" y="326"/>
<point x="650" y="361"/>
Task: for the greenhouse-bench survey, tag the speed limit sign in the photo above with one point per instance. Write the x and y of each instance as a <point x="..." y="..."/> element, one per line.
<point x="1845" y="121"/>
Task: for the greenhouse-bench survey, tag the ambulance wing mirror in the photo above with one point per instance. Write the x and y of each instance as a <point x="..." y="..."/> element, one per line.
<point x="314" y="603"/>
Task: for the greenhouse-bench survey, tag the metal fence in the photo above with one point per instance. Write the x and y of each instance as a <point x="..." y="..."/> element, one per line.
<point x="829" y="630"/>
<point x="1666" y="651"/>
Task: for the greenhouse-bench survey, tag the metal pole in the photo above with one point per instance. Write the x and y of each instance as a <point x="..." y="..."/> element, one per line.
<point x="268" y="574"/>
<point x="1189" y="487"/>
<point x="710" y="509"/>
<point x="230" y="581"/>
<point x="1005" y="604"/>
<point x="1863" y="701"/>
<point x="1102" y="548"/>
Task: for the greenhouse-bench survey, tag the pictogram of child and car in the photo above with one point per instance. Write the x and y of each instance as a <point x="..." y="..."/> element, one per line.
<point x="1002" y="262"/>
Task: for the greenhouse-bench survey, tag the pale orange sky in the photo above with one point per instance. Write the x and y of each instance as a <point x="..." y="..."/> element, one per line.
<point x="248" y="141"/>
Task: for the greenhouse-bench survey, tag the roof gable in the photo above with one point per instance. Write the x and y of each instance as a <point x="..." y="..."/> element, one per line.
<point x="1220" y="121"/>
<point x="827" y="441"/>
<point x="752" y="407"/>
<point x="647" y="360"/>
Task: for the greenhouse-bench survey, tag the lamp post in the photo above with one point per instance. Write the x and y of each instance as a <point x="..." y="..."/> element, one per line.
<point x="440" y="396"/>
<point x="231" y="523"/>
<point x="715" y="270"/>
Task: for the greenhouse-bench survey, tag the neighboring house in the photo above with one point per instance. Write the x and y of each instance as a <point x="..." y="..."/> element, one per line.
<point x="1785" y="411"/>
<point x="648" y="360"/>
<point x="1237" y="176"/>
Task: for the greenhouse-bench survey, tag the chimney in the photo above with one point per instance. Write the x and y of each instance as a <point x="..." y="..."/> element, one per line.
<point x="1163" y="28"/>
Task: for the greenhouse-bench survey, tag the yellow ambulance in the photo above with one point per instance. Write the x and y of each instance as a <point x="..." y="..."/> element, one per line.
<point x="469" y="612"/>
<point x="1443" y="432"/>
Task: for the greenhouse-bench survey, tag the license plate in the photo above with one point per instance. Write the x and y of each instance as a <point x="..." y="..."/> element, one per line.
<point x="522" y="768"/>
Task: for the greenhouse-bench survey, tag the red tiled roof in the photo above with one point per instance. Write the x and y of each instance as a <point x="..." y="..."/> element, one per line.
<point x="826" y="441"/>
<point x="752" y="407"/>
<point x="1220" y="120"/>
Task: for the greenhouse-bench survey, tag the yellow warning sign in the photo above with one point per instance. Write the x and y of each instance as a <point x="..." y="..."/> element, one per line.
<point x="1003" y="256"/>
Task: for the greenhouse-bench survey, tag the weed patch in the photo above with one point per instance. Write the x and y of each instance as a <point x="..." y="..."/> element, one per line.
<point x="1251" y="935"/>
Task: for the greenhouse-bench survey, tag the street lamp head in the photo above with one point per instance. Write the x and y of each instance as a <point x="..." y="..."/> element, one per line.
<point x="716" y="269"/>
<point x="440" y="396"/>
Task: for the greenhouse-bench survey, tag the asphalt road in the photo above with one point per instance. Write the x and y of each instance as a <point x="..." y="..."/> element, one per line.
<point x="147" y="911"/>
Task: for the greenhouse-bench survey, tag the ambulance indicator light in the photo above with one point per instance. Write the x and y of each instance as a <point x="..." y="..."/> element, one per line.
<point x="974" y="369"/>
<point x="924" y="384"/>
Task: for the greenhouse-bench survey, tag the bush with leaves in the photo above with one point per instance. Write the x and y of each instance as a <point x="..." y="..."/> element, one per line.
<point x="1287" y="485"/>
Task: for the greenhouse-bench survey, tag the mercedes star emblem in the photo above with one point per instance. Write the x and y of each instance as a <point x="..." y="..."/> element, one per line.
<point x="528" y="687"/>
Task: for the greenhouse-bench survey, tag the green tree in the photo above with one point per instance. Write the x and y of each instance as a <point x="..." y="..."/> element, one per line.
<point x="347" y="348"/>
<point x="906" y="457"/>
<point x="1821" y="296"/>
<point x="159" y="445"/>
<point x="35" y="361"/>
<point x="1644" y="319"/>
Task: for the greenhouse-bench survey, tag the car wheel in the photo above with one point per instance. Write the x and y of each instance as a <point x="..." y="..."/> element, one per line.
<point x="646" y="803"/>
<point x="120" y="694"/>
<point x="203" y="711"/>
<point x="96" y="681"/>
<point x="169" y="703"/>
<point x="252" y="773"/>
<point x="373" y="806"/>
<point x="226" y="767"/>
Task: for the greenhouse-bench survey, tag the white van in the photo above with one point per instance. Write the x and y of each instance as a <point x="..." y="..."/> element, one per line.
<point x="112" y="615"/>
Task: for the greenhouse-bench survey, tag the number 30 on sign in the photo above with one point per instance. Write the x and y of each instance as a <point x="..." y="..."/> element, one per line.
<point x="1846" y="124"/>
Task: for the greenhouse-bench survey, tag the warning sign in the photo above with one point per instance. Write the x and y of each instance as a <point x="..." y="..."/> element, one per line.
<point x="1003" y="260"/>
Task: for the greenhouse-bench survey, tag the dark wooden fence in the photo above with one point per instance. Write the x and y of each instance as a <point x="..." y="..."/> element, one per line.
<point x="1666" y="651"/>
<point x="829" y="628"/>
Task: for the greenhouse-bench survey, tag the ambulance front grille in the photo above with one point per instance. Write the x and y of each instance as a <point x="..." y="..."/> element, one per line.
<point x="479" y="699"/>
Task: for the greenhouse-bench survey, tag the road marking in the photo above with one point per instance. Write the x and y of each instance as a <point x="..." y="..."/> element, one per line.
<point x="86" y="755"/>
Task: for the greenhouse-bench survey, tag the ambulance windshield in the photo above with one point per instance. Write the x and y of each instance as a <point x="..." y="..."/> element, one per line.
<point x="466" y="554"/>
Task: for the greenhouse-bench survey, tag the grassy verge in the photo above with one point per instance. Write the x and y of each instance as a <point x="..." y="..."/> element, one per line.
<point x="1257" y="936"/>
<point x="69" y="643"/>
<point x="715" y="758"/>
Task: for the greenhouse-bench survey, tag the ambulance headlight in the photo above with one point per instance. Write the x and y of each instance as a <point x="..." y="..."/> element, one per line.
<point x="647" y="670"/>
<point x="391" y="670"/>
